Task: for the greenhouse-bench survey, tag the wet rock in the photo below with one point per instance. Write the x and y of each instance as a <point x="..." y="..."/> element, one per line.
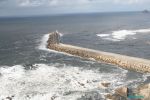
<point x="144" y="91"/>
<point x="94" y="80"/>
<point x="53" y="97"/>
<point x="92" y="95"/>
<point x="87" y="81"/>
<point x="109" y="96"/>
<point x="28" y="96"/>
<point x="105" y="84"/>
<point x="8" y="98"/>
<point x="122" y="91"/>
<point x="112" y="97"/>
<point x="81" y="84"/>
<point x="0" y="74"/>
<point x="67" y="93"/>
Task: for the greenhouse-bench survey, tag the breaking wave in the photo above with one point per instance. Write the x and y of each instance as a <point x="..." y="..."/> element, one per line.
<point x="43" y="44"/>
<point x="44" y="82"/>
<point x="122" y="34"/>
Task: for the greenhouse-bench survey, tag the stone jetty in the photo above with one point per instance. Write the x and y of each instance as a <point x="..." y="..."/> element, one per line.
<point x="123" y="61"/>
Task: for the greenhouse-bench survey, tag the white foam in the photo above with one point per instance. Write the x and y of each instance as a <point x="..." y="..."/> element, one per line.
<point x="43" y="43"/>
<point x="47" y="81"/>
<point x="142" y="30"/>
<point x="103" y="35"/>
<point x="60" y="34"/>
<point x="121" y="35"/>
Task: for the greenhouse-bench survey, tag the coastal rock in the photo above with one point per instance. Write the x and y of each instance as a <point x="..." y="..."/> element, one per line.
<point x="144" y="90"/>
<point x="120" y="94"/>
<point x="8" y="98"/>
<point x="122" y="91"/>
<point x="103" y="84"/>
<point x="114" y="97"/>
<point x="110" y="97"/>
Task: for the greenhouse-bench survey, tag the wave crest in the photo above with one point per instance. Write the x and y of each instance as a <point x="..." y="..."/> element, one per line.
<point x="121" y="35"/>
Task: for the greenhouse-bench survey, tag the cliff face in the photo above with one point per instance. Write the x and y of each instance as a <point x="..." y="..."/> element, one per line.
<point x="126" y="62"/>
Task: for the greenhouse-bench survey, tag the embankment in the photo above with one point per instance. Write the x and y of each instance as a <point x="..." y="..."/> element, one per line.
<point x="123" y="61"/>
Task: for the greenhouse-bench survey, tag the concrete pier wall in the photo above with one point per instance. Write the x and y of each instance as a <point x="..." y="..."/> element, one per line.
<point x="123" y="61"/>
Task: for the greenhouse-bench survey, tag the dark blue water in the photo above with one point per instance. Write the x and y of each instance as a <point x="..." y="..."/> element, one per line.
<point x="29" y="71"/>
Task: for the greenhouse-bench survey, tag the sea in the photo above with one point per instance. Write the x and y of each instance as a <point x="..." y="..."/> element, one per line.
<point x="30" y="71"/>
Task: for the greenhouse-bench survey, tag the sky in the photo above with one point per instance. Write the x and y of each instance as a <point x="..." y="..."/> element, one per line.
<point x="52" y="7"/>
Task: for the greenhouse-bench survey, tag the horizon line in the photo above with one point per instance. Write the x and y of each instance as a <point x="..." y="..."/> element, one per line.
<point x="64" y="14"/>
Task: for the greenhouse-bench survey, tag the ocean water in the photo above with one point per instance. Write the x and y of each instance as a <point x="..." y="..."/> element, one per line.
<point x="29" y="71"/>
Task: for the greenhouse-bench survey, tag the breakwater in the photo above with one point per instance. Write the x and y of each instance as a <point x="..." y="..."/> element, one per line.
<point x="123" y="61"/>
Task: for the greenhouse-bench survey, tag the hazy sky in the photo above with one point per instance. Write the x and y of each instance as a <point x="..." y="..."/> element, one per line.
<point x="42" y="7"/>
